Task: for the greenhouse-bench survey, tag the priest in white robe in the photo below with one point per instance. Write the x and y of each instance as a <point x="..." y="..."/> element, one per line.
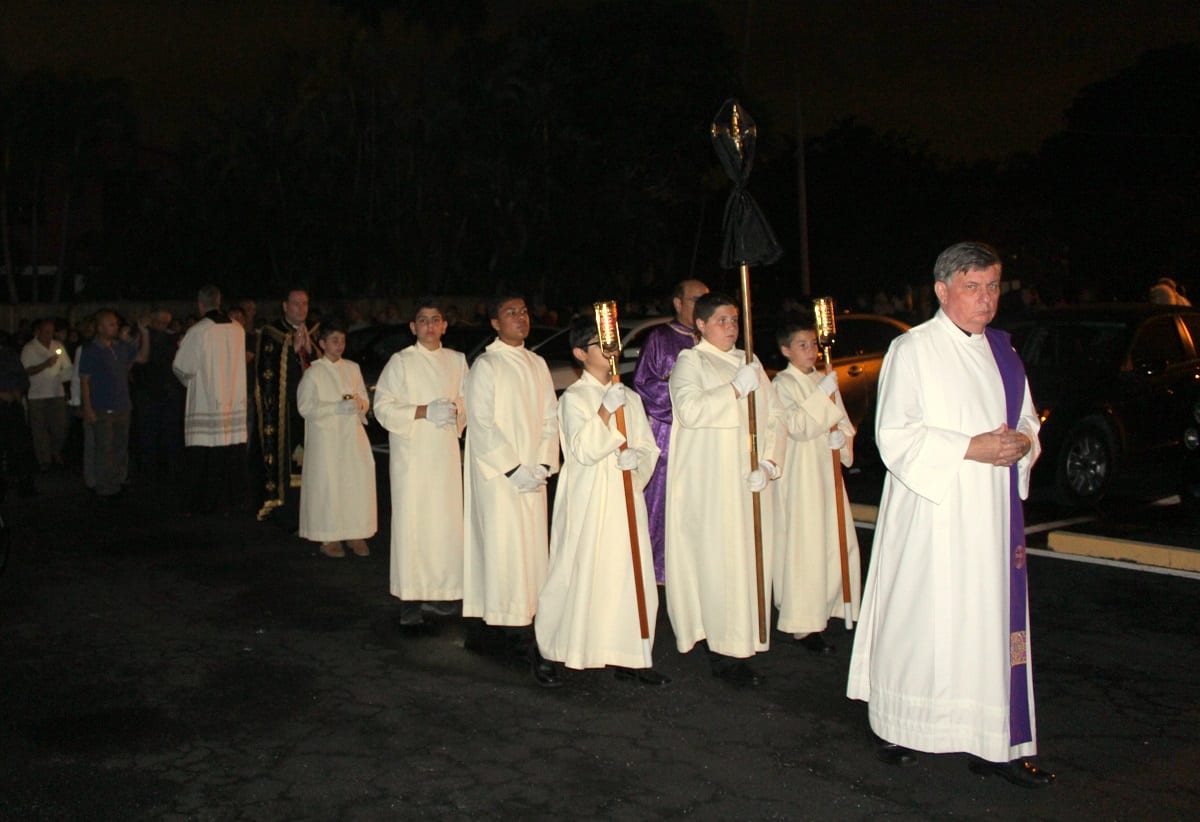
<point x="587" y="613"/>
<point x="419" y="400"/>
<point x="942" y="653"/>
<point x="511" y="450"/>
<point x="710" y="556"/>
<point x="211" y="363"/>
<point x="807" y="578"/>
<point x="337" y="499"/>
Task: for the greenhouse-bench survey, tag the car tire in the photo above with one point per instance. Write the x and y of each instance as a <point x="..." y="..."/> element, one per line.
<point x="1086" y="463"/>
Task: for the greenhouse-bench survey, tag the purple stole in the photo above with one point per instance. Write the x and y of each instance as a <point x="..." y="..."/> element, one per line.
<point x="1012" y="374"/>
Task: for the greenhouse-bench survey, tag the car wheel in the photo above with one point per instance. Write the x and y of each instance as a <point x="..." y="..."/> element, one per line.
<point x="1189" y="485"/>
<point x="1085" y="465"/>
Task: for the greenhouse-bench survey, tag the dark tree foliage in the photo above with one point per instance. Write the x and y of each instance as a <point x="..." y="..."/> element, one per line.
<point x="1126" y="175"/>
<point x="439" y="15"/>
<point x="569" y="156"/>
<point x="66" y="145"/>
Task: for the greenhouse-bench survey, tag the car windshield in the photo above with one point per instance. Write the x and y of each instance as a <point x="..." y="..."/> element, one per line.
<point x="1068" y="344"/>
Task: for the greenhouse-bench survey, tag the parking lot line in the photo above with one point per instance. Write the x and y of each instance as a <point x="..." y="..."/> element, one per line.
<point x="1115" y="563"/>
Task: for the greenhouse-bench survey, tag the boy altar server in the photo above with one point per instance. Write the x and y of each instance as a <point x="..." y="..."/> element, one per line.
<point x="337" y="499"/>
<point x="511" y="450"/>
<point x="808" y="565"/>
<point x="587" y="615"/>
<point x="419" y="400"/>
<point x="711" y="578"/>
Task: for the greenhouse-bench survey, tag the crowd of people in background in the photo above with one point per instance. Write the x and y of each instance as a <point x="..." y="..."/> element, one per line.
<point x="39" y="370"/>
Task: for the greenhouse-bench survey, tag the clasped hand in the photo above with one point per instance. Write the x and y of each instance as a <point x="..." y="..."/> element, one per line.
<point x="1002" y="447"/>
<point x="527" y="479"/>
<point x="442" y="412"/>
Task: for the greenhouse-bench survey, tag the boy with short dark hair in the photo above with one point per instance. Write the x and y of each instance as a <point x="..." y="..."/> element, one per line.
<point x="711" y="575"/>
<point x="587" y="615"/>
<point x="808" y="570"/>
<point x="419" y="400"/>
<point x="511" y="450"/>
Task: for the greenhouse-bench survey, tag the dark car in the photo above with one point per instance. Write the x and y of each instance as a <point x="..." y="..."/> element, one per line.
<point x="1189" y="476"/>
<point x="861" y="342"/>
<point x="371" y="348"/>
<point x="564" y="370"/>
<point x="1112" y="383"/>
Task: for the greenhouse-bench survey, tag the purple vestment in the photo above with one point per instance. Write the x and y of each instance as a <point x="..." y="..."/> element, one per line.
<point x="658" y="356"/>
<point x="1012" y="373"/>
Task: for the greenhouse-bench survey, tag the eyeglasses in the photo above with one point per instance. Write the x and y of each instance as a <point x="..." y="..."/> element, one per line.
<point x="515" y="312"/>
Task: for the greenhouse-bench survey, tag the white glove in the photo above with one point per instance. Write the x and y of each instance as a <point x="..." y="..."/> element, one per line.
<point x="541" y="473"/>
<point x="745" y="380"/>
<point x="756" y="480"/>
<point x="828" y="383"/>
<point x="524" y="481"/>
<point x="837" y="440"/>
<point x="349" y="406"/>
<point x="627" y="460"/>
<point x="614" y="397"/>
<point x="442" y="412"/>
<point x="771" y="469"/>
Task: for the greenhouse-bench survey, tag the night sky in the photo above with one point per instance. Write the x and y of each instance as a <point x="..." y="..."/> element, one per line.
<point x="967" y="79"/>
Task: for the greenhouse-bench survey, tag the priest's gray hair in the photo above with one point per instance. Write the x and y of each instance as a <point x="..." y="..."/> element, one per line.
<point x="209" y="297"/>
<point x="964" y="257"/>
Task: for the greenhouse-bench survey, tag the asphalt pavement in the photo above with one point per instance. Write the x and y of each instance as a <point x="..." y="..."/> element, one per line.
<point x="154" y="666"/>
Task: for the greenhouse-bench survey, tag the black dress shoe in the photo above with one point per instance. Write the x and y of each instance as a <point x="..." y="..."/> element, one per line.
<point x="1019" y="771"/>
<point x="646" y="676"/>
<point x="890" y="753"/>
<point x="815" y="643"/>
<point x="544" y="673"/>
<point x="740" y="674"/>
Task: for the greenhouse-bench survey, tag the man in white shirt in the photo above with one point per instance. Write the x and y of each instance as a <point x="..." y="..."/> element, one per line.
<point x="48" y="366"/>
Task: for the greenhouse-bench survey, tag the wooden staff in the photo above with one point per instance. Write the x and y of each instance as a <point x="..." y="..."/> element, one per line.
<point x="756" y="503"/>
<point x="826" y="333"/>
<point x="610" y="343"/>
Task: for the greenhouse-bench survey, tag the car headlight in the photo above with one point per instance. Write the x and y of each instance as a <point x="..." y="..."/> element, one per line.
<point x="1191" y="438"/>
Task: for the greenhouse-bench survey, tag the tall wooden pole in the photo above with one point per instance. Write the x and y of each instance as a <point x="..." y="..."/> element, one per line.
<point x="756" y="502"/>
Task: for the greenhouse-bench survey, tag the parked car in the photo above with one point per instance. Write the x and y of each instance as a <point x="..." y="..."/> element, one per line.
<point x="556" y="349"/>
<point x="1189" y="475"/>
<point x="371" y="348"/>
<point x="861" y="342"/>
<point x="1112" y="383"/>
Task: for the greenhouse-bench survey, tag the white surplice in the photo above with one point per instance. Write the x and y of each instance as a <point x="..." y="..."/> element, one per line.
<point x="587" y="612"/>
<point x="425" y="467"/>
<point x="211" y="362"/>
<point x="710" y="565"/>
<point x="931" y="652"/>
<point x="808" y="566"/>
<point x="511" y="421"/>
<point x="337" y="499"/>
